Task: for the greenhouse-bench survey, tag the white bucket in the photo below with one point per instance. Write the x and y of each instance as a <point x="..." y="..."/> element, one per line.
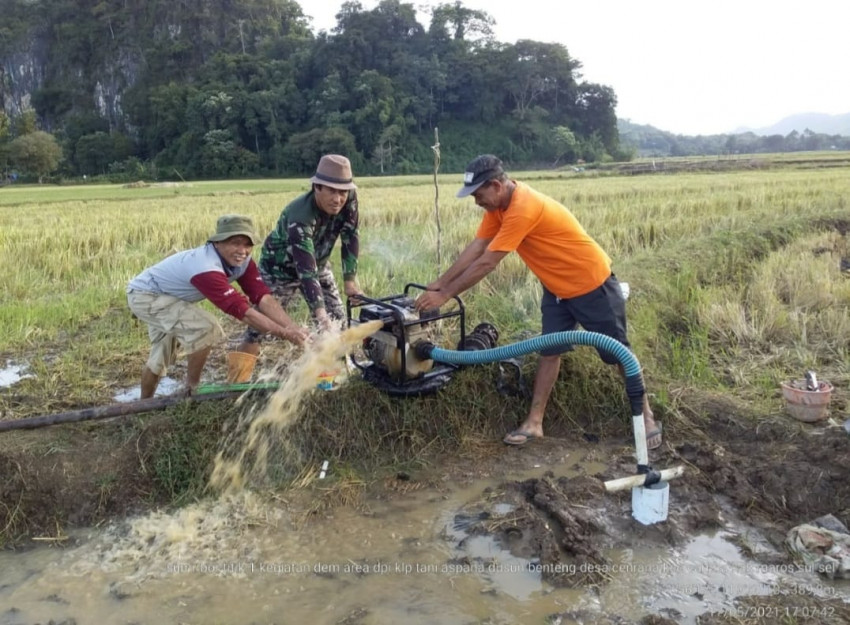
<point x="649" y="503"/>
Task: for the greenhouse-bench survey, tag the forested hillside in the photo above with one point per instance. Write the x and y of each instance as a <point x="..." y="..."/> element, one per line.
<point x="650" y="141"/>
<point x="225" y="88"/>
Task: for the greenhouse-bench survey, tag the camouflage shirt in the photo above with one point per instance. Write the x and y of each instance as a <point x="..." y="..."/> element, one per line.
<point x="302" y="241"/>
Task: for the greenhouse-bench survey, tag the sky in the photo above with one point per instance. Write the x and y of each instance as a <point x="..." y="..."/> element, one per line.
<point x="685" y="66"/>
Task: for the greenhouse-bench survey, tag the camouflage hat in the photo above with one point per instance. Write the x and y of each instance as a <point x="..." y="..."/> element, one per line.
<point x="233" y="225"/>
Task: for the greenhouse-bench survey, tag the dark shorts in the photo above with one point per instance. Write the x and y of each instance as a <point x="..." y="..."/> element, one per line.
<point x="603" y="310"/>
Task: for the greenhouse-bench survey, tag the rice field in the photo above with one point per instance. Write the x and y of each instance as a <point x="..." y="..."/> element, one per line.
<point x="736" y="275"/>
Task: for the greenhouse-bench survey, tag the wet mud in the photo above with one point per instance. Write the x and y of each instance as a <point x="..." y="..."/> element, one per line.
<point x="772" y="474"/>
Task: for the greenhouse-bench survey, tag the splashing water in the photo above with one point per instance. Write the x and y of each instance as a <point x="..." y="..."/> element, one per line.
<point x="207" y="531"/>
<point x="214" y="535"/>
<point x="245" y="453"/>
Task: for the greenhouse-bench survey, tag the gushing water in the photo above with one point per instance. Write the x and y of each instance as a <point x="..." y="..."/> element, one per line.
<point x="201" y="534"/>
<point x="244" y="456"/>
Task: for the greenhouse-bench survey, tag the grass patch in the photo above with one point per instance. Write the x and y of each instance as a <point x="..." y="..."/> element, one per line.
<point x="736" y="276"/>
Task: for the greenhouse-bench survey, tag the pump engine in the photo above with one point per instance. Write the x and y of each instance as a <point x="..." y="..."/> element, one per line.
<point x="393" y="364"/>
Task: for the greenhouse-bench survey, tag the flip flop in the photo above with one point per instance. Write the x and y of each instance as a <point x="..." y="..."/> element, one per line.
<point x="526" y="436"/>
<point x="652" y="434"/>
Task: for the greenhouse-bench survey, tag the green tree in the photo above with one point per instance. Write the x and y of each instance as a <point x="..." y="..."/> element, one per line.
<point x="167" y="74"/>
<point x="565" y="145"/>
<point x="387" y="148"/>
<point x="540" y="73"/>
<point x="37" y="153"/>
<point x="303" y="150"/>
<point x="455" y="21"/>
<point x="94" y="153"/>
<point x="160" y="113"/>
<point x="813" y="141"/>
<point x="596" y="116"/>
<point x="5" y="135"/>
<point x="221" y="157"/>
<point x="377" y="107"/>
<point x="52" y="103"/>
<point x="592" y="149"/>
<point x="774" y="143"/>
<point x="5" y="127"/>
<point x="25" y="123"/>
<point x="14" y="26"/>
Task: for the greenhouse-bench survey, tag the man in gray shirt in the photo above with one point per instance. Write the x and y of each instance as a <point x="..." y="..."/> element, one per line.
<point x="164" y="297"/>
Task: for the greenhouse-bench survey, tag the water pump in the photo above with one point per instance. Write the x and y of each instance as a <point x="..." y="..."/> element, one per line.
<point x="392" y="363"/>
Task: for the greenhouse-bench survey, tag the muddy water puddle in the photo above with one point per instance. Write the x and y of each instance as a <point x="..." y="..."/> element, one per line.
<point x="13" y="373"/>
<point x="249" y="559"/>
<point x="166" y="387"/>
<point x="705" y="575"/>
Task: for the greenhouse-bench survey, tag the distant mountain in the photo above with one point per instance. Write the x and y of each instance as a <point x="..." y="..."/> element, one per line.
<point x="816" y="122"/>
<point x="650" y="141"/>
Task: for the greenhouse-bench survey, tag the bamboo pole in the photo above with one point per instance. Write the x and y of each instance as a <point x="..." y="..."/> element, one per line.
<point x="633" y="481"/>
<point x="436" y="148"/>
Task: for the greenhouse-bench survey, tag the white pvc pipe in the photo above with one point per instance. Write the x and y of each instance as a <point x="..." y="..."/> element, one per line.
<point x="634" y="481"/>
<point x="640" y="440"/>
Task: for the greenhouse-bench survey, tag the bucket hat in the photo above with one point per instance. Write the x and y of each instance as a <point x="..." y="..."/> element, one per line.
<point x="233" y="225"/>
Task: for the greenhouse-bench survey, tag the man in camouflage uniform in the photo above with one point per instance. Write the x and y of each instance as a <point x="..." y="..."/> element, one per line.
<point x="295" y="255"/>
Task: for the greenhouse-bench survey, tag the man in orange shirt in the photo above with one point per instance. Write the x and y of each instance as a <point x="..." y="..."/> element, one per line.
<point x="578" y="285"/>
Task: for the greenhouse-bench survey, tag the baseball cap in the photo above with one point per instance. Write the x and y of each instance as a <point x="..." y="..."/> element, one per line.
<point x="481" y="169"/>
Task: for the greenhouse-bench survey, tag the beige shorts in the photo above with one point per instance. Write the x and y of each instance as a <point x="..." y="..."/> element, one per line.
<point x="172" y="322"/>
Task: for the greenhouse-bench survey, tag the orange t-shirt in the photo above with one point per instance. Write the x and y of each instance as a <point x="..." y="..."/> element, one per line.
<point x="550" y="240"/>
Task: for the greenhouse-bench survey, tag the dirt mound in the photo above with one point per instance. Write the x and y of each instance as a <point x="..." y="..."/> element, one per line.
<point x="777" y="473"/>
<point x="42" y="498"/>
<point x="66" y="477"/>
